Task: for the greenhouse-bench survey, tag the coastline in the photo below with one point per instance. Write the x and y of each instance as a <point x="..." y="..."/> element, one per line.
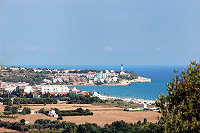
<point x="134" y="100"/>
<point x="122" y="83"/>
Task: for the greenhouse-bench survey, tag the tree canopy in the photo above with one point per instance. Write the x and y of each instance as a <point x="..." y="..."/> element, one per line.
<point x="181" y="107"/>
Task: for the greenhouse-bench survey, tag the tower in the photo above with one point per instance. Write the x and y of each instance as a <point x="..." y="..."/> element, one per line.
<point x="122" y="67"/>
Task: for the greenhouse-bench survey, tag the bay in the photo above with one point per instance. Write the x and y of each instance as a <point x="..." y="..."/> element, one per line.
<point x="159" y="74"/>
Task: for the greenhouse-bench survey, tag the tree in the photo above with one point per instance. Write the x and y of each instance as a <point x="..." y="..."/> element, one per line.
<point x="69" y="127"/>
<point x="181" y="107"/>
<point x="7" y="101"/>
<point x="26" y="110"/>
<point x="22" y="121"/>
<point x="60" y="118"/>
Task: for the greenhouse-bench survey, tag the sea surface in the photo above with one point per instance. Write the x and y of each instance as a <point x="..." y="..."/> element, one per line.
<point x="160" y="76"/>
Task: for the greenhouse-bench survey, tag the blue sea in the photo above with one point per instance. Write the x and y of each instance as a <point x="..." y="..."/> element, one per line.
<point x="160" y="76"/>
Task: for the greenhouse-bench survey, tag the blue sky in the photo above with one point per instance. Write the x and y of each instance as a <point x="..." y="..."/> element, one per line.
<point x="99" y="32"/>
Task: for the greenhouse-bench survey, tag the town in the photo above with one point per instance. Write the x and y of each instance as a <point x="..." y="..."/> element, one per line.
<point x="38" y="79"/>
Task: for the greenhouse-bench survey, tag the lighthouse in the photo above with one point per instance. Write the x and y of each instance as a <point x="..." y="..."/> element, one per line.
<point x="122" y="67"/>
<point x="122" y="70"/>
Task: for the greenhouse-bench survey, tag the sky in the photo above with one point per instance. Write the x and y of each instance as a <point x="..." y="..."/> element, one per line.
<point x="99" y="32"/>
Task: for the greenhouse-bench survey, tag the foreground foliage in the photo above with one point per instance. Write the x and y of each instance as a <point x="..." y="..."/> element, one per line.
<point x="181" y="107"/>
<point x="41" y="125"/>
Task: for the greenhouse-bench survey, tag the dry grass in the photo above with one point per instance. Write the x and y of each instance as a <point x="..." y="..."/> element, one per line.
<point x="2" y="130"/>
<point x="102" y="114"/>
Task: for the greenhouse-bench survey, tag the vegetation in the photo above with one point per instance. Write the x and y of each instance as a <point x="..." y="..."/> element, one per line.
<point x="68" y="127"/>
<point x="35" y="101"/>
<point x="26" y="110"/>
<point x="14" y="125"/>
<point x="121" y="104"/>
<point x="181" y="107"/>
<point x="77" y="112"/>
<point x="130" y="77"/>
<point x="83" y="71"/>
<point x="23" y="75"/>
<point x="14" y="110"/>
<point x="6" y="101"/>
<point x="11" y="110"/>
<point x="60" y="118"/>
<point x="180" y="110"/>
<point x="80" y="99"/>
<point x="39" y="76"/>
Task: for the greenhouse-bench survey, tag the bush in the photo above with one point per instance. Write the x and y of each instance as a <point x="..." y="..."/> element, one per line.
<point x="81" y="99"/>
<point x="35" y="101"/>
<point x="22" y="121"/>
<point x="26" y="110"/>
<point x="77" y="112"/>
<point x="7" y="112"/>
<point x="60" y="118"/>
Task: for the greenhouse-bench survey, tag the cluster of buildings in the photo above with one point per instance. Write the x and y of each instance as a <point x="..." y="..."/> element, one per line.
<point x="69" y="77"/>
<point x="90" y="78"/>
<point x="10" y="86"/>
<point x="53" y="89"/>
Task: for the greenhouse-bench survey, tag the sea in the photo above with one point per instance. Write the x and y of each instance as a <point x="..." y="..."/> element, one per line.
<point x="160" y="75"/>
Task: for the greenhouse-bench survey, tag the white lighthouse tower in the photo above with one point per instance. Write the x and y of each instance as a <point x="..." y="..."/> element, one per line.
<point x="122" y="67"/>
<point x="122" y="70"/>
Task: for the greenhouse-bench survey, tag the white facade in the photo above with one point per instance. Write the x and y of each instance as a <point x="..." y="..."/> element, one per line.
<point x="96" y="94"/>
<point x="115" y="79"/>
<point x="73" y="90"/>
<point x="47" y="81"/>
<point x="52" y="113"/>
<point x="28" y="89"/>
<point x="107" y="71"/>
<point x="54" y="89"/>
<point x="145" y="105"/>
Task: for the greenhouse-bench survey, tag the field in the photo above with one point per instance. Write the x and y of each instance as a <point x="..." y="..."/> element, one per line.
<point x="102" y="114"/>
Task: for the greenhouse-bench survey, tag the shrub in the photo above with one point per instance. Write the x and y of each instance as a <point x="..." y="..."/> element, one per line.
<point x="26" y="110"/>
<point x="60" y="118"/>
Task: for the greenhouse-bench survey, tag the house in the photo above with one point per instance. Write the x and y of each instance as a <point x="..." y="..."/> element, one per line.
<point x="52" y="113"/>
<point x="96" y="94"/>
<point x="28" y="89"/>
<point x="26" y="122"/>
<point x="19" y="110"/>
<point x="131" y="109"/>
<point x="73" y="90"/>
<point x="58" y="89"/>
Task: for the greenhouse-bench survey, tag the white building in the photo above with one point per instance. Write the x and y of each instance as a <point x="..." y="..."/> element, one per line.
<point x="107" y="71"/>
<point x="37" y="70"/>
<point x="112" y="71"/>
<point x="115" y="79"/>
<point x="54" y="89"/>
<point x="73" y="90"/>
<point x="28" y="89"/>
<point x="145" y="105"/>
<point x="47" y="81"/>
<point x="52" y="113"/>
<point x="96" y="94"/>
<point x="95" y="79"/>
<point x="102" y="80"/>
